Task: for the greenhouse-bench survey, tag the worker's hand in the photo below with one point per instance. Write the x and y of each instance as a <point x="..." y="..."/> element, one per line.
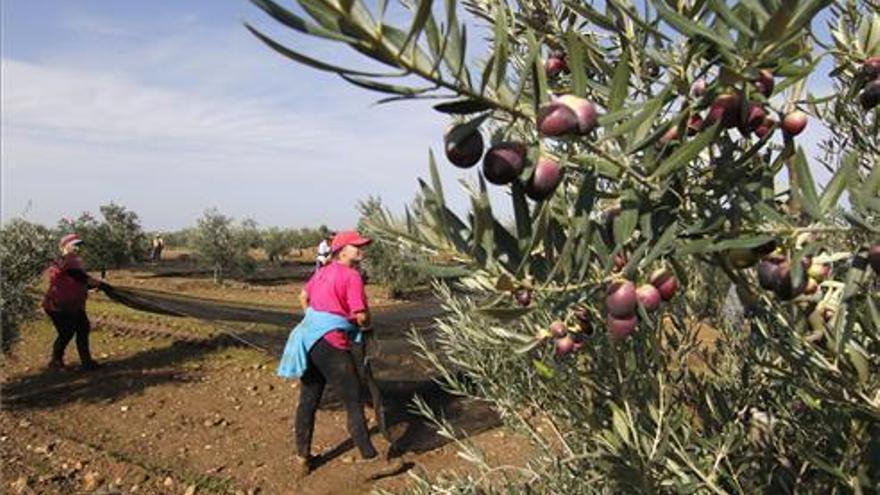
<point x="366" y="329"/>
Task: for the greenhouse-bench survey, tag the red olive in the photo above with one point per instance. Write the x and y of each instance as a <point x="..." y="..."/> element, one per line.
<point x="620" y="328"/>
<point x="545" y="180"/>
<point x="585" y="111"/>
<point x="649" y="297"/>
<point x="794" y="123"/>
<point x="556" y="119"/>
<point x="621" y="298"/>
<point x="665" y="282"/>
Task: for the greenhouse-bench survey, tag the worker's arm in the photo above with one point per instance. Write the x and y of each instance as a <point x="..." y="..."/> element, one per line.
<point x="82" y="277"/>
<point x="362" y="318"/>
<point x="304" y="300"/>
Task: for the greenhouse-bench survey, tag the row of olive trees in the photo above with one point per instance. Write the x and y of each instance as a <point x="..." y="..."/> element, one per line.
<point x="276" y="242"/>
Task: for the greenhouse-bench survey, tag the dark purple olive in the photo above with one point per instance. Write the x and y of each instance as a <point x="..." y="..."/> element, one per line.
<point x="523" y="297"/>
<point x="755" y="118"/>
<point x="871" y="68"/>
<point x="785" y="289"/>
<point x="463" y="149"/>
<point x="870" y="95"/>
<point x="874" y="256"/>
<point x="557" y="119"/>
<point x="726" y="109"/>
<point x="768" y="268"/>
<point x="582" y="317"/>
<point x="765" y="82"/>
<point x="504" y="162"/>
<point x="765" y="127"/>
<point x="545" y="180"/>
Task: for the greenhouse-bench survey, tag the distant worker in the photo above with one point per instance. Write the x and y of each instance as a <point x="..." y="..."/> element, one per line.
<point x="324" y="252"/>
<point x="158" y="246"/>
<point x="318" y="350"/>
<point x="65" y="303"/>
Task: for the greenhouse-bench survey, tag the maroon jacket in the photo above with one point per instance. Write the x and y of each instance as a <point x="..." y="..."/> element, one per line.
<point x="68" y="285"/>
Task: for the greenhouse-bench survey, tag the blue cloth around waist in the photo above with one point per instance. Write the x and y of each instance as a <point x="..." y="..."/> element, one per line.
<point x="310" y="330"/>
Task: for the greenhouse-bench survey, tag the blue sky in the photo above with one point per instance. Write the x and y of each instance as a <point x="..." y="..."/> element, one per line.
<point x="170" y="107"/>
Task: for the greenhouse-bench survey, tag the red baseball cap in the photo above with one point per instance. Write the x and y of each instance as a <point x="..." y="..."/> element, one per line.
<point x="348" y="238"/>
<point x="69" y="239"/>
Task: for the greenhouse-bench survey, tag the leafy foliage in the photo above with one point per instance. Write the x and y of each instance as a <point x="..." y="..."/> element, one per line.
<point x="782" y="400"/>
<point x="225" y="245"/>
<point x="387" y="263"/>
<point x="25" y="251"/>
<point x="113" y="241"/>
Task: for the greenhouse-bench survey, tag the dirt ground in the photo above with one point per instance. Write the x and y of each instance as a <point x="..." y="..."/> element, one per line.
<point x="180" y="407"/>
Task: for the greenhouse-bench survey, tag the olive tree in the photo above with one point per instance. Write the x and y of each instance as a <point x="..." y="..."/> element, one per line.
<point x="26" y="249"/>
<point x="654" y="159"/>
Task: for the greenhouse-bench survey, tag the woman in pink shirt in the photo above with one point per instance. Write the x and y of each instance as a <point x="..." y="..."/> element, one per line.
<point x="339" y="289"/>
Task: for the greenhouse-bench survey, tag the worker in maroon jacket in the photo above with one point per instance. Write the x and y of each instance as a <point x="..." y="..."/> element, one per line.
<point x="65" y="303"/>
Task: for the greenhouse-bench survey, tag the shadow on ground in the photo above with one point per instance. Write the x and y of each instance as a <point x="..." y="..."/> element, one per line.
<point x="399" y="375"/>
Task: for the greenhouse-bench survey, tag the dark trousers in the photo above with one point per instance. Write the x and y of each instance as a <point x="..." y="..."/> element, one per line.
<point x="68" y="324"/>
<point x="330" y="365"/>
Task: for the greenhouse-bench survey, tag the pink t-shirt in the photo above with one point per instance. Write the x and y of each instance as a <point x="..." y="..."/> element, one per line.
<point x="337" y="289"/>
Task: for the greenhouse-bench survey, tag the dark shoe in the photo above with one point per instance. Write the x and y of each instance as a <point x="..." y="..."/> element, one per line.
<point x="302" y="466"/>
<point x="56" y="365"/>
<point x="90" y="366"/>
